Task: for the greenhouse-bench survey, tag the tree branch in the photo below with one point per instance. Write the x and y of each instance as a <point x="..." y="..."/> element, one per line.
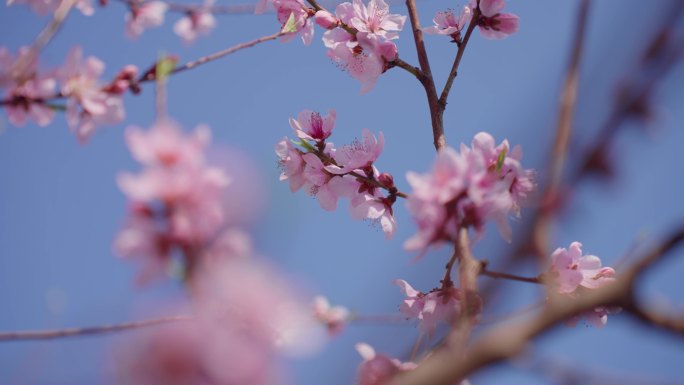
<point x="457" y="60"/>
<point x="448" y="364"/>
<point x="87" y="331"/>
<point x="426" y="80"/>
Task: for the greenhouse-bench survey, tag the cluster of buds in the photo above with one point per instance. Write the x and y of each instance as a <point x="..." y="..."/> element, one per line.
<point x="329" y="173"/>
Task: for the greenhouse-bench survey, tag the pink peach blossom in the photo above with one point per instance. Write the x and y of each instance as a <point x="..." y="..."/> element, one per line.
<point x="333" y="317"/>
<point x="438" y="306"/>
<point x="492" y="23"/>
<point x="360" y="154"/>
<point x="196" y="23"/>
<point x="291" y="163"/>
<point x="143" y="16"/>
<point x="309" y="125"/>
<point x="482" y="182"/>
<point x="446" y="23"/>
<point x="89" y="105"/>
<point x="302" y="19"/>
<point x="572" y="269"/>
<point x="378" y="369"/>
<point x="375" y="19"/>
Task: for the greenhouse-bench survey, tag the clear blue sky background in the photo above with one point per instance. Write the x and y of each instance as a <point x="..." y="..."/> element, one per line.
<point x="60" y="207"/>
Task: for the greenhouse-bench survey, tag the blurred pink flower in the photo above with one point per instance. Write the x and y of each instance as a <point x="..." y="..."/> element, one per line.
<point x="378" y="369"/>
<point x="438" y="306"/>
<point x="572" y="269"/>
<point x="333" y="317"/>
<point x="194" y="24"/>
<point x="180" y="194"/>
<point x="245" y="317"/>
<point x="143" y="16"/>
<point x="89" y="105"/>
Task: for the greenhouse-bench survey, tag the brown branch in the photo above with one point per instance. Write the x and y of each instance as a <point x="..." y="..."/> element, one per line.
<point x="426" y="79"/>
<point x="558" y="153"/>
<point x="512" y="277"/>
<point x="149" y="75"/>
<point x="449" y="364"/>
<point x="457" y="60"/>
<point x="87" y="331"/>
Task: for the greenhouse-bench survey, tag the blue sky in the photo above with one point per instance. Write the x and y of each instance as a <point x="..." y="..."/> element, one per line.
<point x="60" y="208"/>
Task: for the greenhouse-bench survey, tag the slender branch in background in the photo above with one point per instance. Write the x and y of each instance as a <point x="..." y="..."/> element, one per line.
<point x="49" y="32"/>
<point x="217" y="55"/>
<point x="662" y="49"/>
<point x="87" y="331"/>
<point x="568" y="99"/>
<point x="457" y="61"/>
<point x="449" y="364"/>
<point x="426" y="79"/>
<point x="662" y="54"/>
<point x="512" y="277"/>
<point x="149" y="75"/>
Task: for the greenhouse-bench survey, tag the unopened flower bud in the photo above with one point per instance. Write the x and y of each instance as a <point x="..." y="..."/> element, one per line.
<point x="326" y="20"/>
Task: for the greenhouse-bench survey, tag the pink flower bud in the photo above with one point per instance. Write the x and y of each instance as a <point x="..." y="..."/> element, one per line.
<point x="326" y="20"/>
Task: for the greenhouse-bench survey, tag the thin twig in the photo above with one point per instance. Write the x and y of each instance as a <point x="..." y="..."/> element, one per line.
<point x="568" y="99"/>
<point x="426" y="80"/>
<point x="457" y="60"/>
<point x="87" y="331"/>
<point x="512" y="277"/>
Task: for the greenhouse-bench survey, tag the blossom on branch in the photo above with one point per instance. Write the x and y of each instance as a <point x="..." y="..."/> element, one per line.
<point x="177" y="202"/>
<point x="440" y="305"/>
<point x="376" y="20"/>
<point x="89" y="104"/>
<point x="143" y="16"/>
<point x="310" y="125"/>
<point x="571" y="270"/>
<point x="492" y="23"/>
<point x="447" y="23"/>
<point x="329" y="173"/>
<point x="333" y="318"/>
<point x="378" y="369"/>
<point x="196" y="23"/>
<point x="27" y="89"/>
<point x="467" y="188"/>
<point x="367" y="53"/>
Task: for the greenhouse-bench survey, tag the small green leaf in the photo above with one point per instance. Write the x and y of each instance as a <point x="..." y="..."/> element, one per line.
<point x="305" y="144"/>
<point x="290" y="25"/>
<point x="500" y="160"/>
<point x="165" y="66"/>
